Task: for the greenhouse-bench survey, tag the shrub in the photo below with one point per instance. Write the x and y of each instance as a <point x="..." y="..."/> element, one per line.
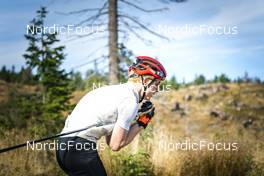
<point x="219" y="163"/>
<point x="128" y="164"/>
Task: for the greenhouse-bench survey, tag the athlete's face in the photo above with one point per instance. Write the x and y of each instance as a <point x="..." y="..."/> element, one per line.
<point x="152" y="89"/>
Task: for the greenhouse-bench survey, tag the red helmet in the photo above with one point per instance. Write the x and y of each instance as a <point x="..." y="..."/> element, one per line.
<point x="148" y="66"/>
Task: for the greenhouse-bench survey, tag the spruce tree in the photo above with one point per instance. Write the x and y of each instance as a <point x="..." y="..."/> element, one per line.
<point x="26" y="76"/>
<point x="199" y="79"/>
<point x="223" y="78"/>
<point x="173" y="83"/>
<point x="3" y="73"/>
<point x="46" y="58"/>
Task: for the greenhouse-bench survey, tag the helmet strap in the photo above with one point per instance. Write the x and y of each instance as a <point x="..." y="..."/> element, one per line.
<point x="145" y="88"/>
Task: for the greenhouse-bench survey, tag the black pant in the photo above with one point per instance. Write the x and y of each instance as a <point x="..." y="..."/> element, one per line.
<point x="79" y="157"/>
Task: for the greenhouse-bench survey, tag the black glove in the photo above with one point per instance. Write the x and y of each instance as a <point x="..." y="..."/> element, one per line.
<point x="145" y="113"/>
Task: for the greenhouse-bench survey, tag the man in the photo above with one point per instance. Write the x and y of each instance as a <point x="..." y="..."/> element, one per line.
<point x="112" y="109"/>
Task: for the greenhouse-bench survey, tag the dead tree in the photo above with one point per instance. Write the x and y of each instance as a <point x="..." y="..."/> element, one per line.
<point x="113" y="39"/>
<point x="119" y="26"/>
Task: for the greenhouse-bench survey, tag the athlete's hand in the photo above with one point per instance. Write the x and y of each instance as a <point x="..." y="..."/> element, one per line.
<point x="145" y="113"/>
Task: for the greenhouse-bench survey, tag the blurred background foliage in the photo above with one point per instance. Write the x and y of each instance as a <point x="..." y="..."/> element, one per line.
<point x="35" y="101"/>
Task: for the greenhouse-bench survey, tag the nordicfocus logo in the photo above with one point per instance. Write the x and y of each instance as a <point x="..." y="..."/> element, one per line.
<point x="64" y="146"/>
<point x="186" y="30"/>
<point x="160" y="88"/>
<point x="188" y="145"/>
<point x="64" y="30"/>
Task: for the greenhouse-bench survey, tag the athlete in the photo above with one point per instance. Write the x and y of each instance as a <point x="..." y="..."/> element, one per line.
<point x="115" y="112"/>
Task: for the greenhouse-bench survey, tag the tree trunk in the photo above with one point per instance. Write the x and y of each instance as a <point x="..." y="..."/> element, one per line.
<point x="113" y="37"/>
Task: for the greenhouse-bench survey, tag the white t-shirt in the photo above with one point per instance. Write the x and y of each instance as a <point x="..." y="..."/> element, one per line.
<point x="108" y="106"/>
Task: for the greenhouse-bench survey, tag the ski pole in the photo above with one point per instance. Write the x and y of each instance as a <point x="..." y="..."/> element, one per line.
<point x="44" y="139"/>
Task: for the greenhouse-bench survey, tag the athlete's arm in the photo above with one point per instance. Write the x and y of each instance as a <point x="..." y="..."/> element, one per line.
<point x="124" y="132"/>
<point x="121" y="137"/>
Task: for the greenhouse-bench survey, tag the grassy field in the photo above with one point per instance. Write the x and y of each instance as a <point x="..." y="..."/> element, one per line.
<point x="230" y="115"/>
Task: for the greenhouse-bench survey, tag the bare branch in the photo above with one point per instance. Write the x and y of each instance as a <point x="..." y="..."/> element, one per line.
<point x="144" y="27"/>
<point x="86" y="63"/>
<point x="77" y="12"/>
<point x="102" y="58"/>
<point x="121" y="20"/>
<point x="100" y="10"/>
<point x="96" y="50"/>
<point x="142" y="9"/>
<point x="95" y="38"/>
<point x="168" y="1"/>
<point x="93" y="18"/>
<point x="122" y="31"/>
<point x="148" y="42"/>
<point x="76" y="36"/>
<point x="83" y="10"/>
<point x="123" y="34"/>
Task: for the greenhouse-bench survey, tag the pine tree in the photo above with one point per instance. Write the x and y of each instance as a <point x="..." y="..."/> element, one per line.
<point x="26" y="76"/>
<point x="77" y="82"/>
<point x="173" y="83"/>
<point x="13" y="75"/>
<point x="223" y="78"/>
<point x="216" y="79"/>
<point x="3" y="73"/>
<point x="200" y="80"/>
<point x="46" y="58"/>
